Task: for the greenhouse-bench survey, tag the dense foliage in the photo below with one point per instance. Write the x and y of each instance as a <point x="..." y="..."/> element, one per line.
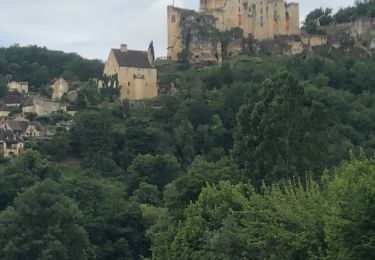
<point x="39" y="66"/>
<point x="247" y="160"/>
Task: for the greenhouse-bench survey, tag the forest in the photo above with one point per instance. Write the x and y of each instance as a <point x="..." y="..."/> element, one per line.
<point x="259" y="158"/>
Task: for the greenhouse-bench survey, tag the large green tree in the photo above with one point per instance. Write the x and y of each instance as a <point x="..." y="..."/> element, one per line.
<point x="29" y="168"/>
<point x="43" y="224"/>
<point x="350" y="222"/>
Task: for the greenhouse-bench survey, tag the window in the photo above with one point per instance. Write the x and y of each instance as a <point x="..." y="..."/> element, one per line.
<point x="261" y="21"/>
<point x="129" y="83"/>
<point x="173" y="18"/>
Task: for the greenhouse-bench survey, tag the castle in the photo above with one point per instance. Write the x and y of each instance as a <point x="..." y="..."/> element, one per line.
<point x="220" y="23"/>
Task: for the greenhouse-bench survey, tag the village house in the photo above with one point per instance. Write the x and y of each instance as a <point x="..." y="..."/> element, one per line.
<point x="20" y="87"/>
<point x="10" y="144"/>
<point x="135" y="72"/>
<point x="24" y="128"/>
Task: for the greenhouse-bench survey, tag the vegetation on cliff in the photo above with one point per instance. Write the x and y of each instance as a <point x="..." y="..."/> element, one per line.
<point x="324" y="17"/>
<point x="260" y="158"/>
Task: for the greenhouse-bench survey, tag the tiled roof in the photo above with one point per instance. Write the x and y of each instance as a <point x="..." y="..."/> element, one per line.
<point x="18" y="125"/>
<point x="13" y="99"/>
<point x="133" y="59"/>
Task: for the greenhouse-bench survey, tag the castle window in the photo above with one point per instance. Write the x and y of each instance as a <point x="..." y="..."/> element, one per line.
<point x="173" y="18"/>
<point x="261" y="21"/>
<point x="128" y="83"/>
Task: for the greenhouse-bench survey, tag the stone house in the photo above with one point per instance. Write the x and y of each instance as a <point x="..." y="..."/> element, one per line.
<point x="41" y="106"/>
<point x="135" y="72"/>
<point x="10" y="144"/>
<point x="20" y="87"/>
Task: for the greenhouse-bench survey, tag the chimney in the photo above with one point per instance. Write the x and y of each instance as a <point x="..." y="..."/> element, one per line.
<point x="124" y="48"/>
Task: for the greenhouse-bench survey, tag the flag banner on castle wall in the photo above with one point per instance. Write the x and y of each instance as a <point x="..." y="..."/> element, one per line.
<point x="287" y="25"/>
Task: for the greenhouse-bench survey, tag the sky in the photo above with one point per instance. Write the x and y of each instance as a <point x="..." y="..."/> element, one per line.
<point x="92" y="27"/>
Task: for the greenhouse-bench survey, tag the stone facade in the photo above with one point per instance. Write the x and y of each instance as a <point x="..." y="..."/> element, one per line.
<point x="20" y="87"/>
<point x="41" y="106"/>
<point x="134" y="71"/>
<point x="229" y="22"/>
<point x="59" y="88"/>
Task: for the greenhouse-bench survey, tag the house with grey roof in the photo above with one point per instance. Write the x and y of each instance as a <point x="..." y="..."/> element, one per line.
<point x="134" y="71"/>
<point x="11" y="145"/>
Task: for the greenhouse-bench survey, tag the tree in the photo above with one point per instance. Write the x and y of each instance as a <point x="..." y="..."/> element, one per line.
<point x="158" y="170"/>
<point x="316" y="18"/>
<point x="187" y="187"/>
<point x="282" y="134"/>
<point x="96" y="133"/>
<point x="350" y="222"/>
<point x="212" y="226"/>
<point x="3" y="86"/>
<point x="58" y="148"/>
<point x="43" y="224"/>
<point x="28" y="169"/>
<point x="114" y="224"/>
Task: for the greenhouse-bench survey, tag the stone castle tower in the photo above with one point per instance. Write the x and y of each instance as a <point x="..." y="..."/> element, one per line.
<point x="257" y="19"/>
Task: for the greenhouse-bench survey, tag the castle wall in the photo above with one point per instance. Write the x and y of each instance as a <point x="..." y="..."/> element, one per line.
<point x="259" y="19"/>
<point x="176" y="17"/>
<point x="294" y="24"/>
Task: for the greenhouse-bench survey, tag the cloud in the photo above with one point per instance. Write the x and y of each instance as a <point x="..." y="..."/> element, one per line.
<point x="92" y="27"/>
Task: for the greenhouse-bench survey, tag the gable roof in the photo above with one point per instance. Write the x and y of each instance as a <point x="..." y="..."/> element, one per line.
<point x="18" y="125"/>
<point x="134" y="59"/>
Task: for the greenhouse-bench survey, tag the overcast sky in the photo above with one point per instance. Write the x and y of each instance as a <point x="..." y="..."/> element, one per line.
<point x="92" y="27"/>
